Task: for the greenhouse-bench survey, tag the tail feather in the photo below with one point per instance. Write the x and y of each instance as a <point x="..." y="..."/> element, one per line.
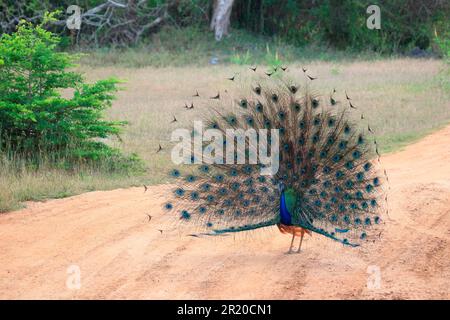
<point x="323" y="156"/>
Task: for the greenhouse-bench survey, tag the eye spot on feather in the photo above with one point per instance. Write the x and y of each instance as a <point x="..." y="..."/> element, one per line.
<point x="202" y="209"/>
<point x="209" y="224"/>
<point x="314" y="103"/>
<point x="274" y="97"/>
<point x="179" y="192"/>
<point x="349" y="165"/>
<point x="376" y="181"/>
<point x="245" y="203"/>
<point x="214" y="125"/>
<point x="204" y="168"/>
<point x="357" y="221"/>
<point x="195" y="195"/>
<point x="339" y="174"/>
<point x="356" y="154"/>
<point x="175" y="173"/>
<point x="235" y="186"/>
<point x="243" y="103"/>
<point x="249" y="120"/>
<point x="185" y="215"/>
<point x="206" y="187"/>
<point x="347" y="219"/>
<point x="190" y="178"/>
<point x="369" y="188"/>
<point x="259" y="107"/>
<point x="293" y="89"/>
<point x="373" y="203"/>
<point x="296" y="106"/>
<point x="219" y="178"/>
<point x="360" y="139"/>
<point x="316" y="121"/>
<point x="360" y="176"/>
<point x="326" y="170"/>
<point x="231" y="120"/>
<point x="248" y="181"/>
<point x="359" y="195"/>
<point x="223" y="191"/>
<point x="281" y="115"/>
<point x="210" y="198"/>
<point x="220" y="212"/>
<point x="347" y="129"/>
<point x="367" y="166"/>
<point x="349" y="184"/>
<point x="331" y="122"/>
<point x="342" y="145"/>
<point x="377" y="220"/>
<point x="363" y="236"/>
<point x="315" y="138"/>
<point x="336" y="158"/>
<point x="364" y="205"/>
<point x="367" y="221"/>
<point x="302" y="124"/>
<point x="168" y="206"/>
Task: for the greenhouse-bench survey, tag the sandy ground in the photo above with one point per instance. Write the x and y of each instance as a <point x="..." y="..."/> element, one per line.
<point x="120" y="254"/>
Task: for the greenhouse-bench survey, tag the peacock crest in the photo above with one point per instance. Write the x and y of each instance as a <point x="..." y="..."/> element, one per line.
<point x="327" y="180"/>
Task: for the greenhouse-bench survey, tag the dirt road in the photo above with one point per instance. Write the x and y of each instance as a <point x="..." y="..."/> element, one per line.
<point x="108" y="238"/>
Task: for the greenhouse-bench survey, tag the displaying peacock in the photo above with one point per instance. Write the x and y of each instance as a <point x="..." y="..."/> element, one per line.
<point x="327" y="180"/>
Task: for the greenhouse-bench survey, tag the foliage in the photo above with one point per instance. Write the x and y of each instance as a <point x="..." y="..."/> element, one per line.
<point x="34" y="116"/>
<point x="405" y="24"/>
<point x="342" y="24"/>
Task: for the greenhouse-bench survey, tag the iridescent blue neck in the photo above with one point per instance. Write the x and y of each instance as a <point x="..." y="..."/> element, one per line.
<point x="285" y="216"/>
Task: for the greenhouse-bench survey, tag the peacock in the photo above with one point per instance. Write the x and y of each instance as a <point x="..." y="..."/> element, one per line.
<point x="328" y="181"/>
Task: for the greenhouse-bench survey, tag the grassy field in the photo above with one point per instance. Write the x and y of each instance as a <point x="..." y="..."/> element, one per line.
<point x="403" y="99"/>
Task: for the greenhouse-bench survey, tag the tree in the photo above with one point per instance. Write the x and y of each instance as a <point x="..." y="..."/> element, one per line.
<point x="34" y="116"/>
<point x="220" y="21"/>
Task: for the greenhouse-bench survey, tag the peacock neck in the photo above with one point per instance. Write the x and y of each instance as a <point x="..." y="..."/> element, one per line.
<point x="285" y="216"/>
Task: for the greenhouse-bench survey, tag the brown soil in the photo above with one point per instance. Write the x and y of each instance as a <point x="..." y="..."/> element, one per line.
<point x="121" y="254"/>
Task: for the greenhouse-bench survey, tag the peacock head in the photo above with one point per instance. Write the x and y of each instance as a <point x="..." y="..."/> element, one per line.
<point x="281" y="186"/>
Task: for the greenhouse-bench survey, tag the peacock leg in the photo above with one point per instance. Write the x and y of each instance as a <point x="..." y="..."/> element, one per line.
<point x="301" y="240"/>
<point x="292" y="243"/>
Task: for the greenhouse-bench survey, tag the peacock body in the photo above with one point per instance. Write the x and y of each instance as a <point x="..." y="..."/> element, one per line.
<point x="327" y="181"/>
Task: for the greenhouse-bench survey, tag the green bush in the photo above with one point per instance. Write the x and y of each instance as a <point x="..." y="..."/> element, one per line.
<point x="35" y="117"/>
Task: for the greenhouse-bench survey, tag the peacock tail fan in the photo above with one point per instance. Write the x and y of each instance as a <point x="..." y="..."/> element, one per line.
<point x="326" y="165"/>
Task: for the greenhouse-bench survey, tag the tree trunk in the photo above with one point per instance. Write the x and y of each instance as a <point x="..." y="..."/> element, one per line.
<point x="220" y="21"/>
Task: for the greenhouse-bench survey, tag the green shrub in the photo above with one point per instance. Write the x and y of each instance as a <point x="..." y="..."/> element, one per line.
<point x="35" y="116"/>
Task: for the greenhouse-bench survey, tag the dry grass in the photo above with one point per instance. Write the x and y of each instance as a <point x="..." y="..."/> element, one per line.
<point x="403" y="99"/>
